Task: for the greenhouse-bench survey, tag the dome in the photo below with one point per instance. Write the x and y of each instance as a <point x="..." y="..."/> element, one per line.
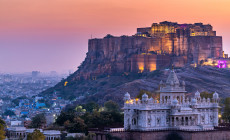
<point x="127" y="96"/>
<point x="194" y="101"/>
<point x="215" y="95"/>
<point x="197" y="94"/>
<point x="183" y="83"/>
<point x="175" y="101"/>
<point x="145" y="96"/>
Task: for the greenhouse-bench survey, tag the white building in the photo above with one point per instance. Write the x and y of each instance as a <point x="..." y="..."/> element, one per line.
<point x="172" y="111"/>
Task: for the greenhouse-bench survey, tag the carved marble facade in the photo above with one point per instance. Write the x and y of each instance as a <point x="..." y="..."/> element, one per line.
<point x="172" y="110"/>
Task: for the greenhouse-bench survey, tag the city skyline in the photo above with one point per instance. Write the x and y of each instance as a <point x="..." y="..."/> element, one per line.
<point x="53" y="35"/>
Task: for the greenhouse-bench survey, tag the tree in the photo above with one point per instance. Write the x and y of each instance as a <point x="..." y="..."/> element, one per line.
<point x="64" y="116"/>
<point x="206" y="94"/>
<point x="226" y="114"/>
<point x="79" y="110"/>
<point x="36" y="135"/>
<point x="91" y="106"/>
<point x="154" y="95"/>
<point x="76" y="126"/>
<point x="38" y="121"/>
<point x="111" y="106"/>
<point x="2" y="131"/>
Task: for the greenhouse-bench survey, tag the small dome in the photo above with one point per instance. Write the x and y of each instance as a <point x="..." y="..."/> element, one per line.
<point x="194" y="101"/>
<point x="215" y="95"/>
<point x="145" y="96"/>
<point x="127" y="96"/>
<point x="175" y="101"/>
<point x="197" y="94"/>
<point x="183" y="83"/>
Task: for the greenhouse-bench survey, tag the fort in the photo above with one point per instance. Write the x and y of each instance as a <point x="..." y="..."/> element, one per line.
<point x="152" y="48"/>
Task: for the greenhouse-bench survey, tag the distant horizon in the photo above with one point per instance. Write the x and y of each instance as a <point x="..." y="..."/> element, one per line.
<point x="53" y="35"/>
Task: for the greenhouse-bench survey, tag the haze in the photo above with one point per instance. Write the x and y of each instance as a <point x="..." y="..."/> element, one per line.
<point x="49" y="35"/>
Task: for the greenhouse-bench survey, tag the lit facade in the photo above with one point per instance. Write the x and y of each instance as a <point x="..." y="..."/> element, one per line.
<point x="172" y="111"/>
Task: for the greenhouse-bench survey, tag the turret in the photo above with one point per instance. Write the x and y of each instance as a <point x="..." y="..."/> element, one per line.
<point x="145" y="97"/>
<point x="215" y="97"/>
<point x="127" y="96"/>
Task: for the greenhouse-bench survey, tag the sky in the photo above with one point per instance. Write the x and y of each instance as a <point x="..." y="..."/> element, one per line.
<point x="52" y="35"/>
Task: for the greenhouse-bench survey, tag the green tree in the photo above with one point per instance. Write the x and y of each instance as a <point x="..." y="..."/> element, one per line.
<point x="111" y="106"/>
<point x="2" y="131"/>
<point x="154" y="95"/>
<point x="64" y="116"/>
<point x="91" y="106"/>
<point x="206" y="94"/>
<point x="226" y="114"/>
<point x="79" y="110"/>
<point x="38" y="121"/>
<point x="36" y="135"/>
<point x="76" y="126"/>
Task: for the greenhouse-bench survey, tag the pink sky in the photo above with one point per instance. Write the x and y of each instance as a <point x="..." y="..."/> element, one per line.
<point x="50" y="35"/>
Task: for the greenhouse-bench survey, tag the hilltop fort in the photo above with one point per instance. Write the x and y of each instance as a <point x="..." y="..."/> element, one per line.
<point x="152" y="48"/>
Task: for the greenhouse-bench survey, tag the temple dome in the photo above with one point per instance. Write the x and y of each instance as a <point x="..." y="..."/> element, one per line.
<point x="194" y="101"/>
<point x="127" y="96"/>
<point x="183" y="83"/>
<point x="215" y="95"/>
<point x="197" y="94"/>
<point x="175" y="101"/>
<point x="145" y="97"/>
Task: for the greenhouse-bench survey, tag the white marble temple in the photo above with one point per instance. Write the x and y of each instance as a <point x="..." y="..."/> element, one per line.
<point x="172" y="110"/>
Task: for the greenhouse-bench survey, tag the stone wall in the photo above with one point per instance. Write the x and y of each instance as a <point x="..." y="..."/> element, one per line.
<point x="166" y="135"/>
<point x="180" y="44"/>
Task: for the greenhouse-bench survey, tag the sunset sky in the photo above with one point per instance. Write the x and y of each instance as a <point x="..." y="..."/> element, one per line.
<point x="48" y="35"/>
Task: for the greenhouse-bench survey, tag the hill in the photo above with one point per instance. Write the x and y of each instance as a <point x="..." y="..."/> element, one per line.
<point x="113" y="87"/>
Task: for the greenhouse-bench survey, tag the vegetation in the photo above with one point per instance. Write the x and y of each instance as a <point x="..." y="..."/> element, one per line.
<point x="111" y="106"/>
<point x="2" y="129"/>
<point x="154" y="95"/>
<point x="36" y="135"/>
<point x="206" y="94"/>
<point x="79" y="119"/>
<point x="226" y="114"/>
<point x="38" y="121"/>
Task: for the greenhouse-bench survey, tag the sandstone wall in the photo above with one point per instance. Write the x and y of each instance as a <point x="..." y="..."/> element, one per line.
<point x="164" y="135"/>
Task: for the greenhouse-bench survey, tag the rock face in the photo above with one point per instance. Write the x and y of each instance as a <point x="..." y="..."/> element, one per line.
<point x="151" y="48"/>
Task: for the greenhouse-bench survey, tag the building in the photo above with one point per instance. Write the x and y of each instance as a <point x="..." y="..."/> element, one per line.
<point x="19" y="133"/>
<point x="52" y="134"/>
<point x="172" y="111"/>
<point x="151" y="48"/>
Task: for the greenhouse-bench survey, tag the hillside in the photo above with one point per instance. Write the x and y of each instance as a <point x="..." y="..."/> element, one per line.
<point x="113" y="87"/>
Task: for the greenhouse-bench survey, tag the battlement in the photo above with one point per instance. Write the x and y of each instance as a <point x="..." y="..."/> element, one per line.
<point x="164" y="28"/>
